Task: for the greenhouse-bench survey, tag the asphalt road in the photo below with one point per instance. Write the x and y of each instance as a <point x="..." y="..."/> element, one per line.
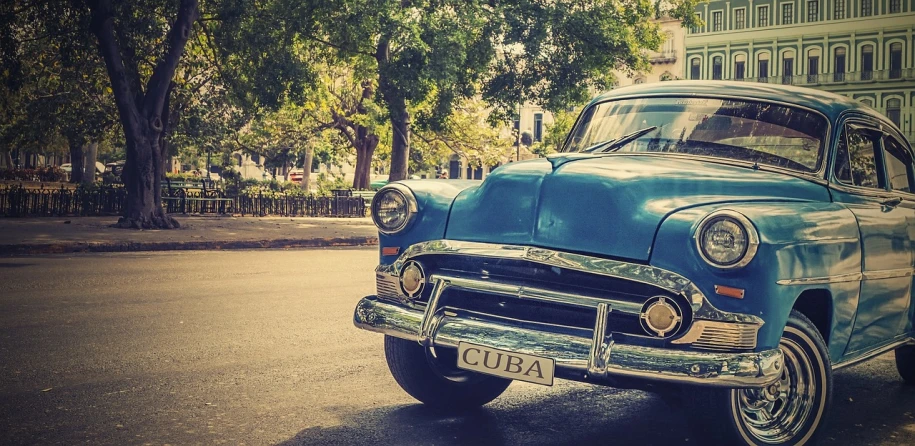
<point x="258" y="347"/>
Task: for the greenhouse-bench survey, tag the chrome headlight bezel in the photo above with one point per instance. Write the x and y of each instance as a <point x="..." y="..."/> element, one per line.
<point x="410" y="205"/>
<point x="740" y="220"/>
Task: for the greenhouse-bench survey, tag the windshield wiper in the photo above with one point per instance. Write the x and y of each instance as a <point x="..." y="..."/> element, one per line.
<point x="612" y="144"/>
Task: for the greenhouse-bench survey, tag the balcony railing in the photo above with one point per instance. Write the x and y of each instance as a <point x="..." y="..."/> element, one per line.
<point x="663" y="57"/>
<point x="837" y="78"/>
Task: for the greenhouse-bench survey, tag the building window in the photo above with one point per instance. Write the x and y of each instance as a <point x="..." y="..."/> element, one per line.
<point x="538" y="127"/>
<point x="788" y="69"/>
<point x="697" y="28"/>
<point x="787" y="13"/>
<point x="895" y="6"/>
<point x="716" y="21"/>
<point x="867" y="62"/>
<point x="740" y="70"/>
<point x="839" y="69"/>
<point x="896" y="60"/>
<point x="838" y="12"/>
<point x="740" y="18"/>
<point x="716" y="68"/>
<point x="695" y="68"/>
<point x="867" y="8"/>
<point x="813" y="11"/>
<point x="762" y="16"/>
<point x="763" y="71"/>
<point x="813" y="68"/>
<point x="893" y="111"/>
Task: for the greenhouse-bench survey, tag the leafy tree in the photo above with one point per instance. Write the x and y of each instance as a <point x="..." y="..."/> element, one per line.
<point x="58" y="85"/>
<point x="555" y="135"/>
<point x="142" y="43"/>
<point x="442" y="51"/>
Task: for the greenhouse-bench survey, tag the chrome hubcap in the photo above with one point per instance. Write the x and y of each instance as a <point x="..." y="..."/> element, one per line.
<point x="777" y="413"/>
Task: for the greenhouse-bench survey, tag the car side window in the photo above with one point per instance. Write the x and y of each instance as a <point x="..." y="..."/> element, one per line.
<point x="863" y="165"/>
<point x="898" y="165"/>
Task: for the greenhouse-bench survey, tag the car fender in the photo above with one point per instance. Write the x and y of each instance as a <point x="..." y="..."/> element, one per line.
<point x="797" y="241"/>
<point x="433" y="203"/>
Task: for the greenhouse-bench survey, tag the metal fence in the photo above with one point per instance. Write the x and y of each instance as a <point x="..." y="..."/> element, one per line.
<point x="18" y="201"/>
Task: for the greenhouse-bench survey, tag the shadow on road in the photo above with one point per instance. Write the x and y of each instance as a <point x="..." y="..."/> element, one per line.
<point x="601" y="415"/>
<point x="868" y="409"/>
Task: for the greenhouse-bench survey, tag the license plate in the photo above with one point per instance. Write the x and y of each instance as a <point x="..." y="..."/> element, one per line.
<point x="505" y="364"/>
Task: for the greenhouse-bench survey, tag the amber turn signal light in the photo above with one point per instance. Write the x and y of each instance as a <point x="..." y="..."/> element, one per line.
<point x="727" y="291"/>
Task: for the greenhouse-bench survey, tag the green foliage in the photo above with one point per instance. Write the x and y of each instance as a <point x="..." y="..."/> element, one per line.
<point x="555" y="135"/>
<point x="328" y="183"/>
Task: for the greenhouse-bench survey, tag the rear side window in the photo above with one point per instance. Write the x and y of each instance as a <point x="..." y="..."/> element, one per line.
<point x="855" y="162"/>
<point x="898" y="165"/>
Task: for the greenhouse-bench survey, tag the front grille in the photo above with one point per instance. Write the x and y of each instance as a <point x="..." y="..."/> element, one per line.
<point x="726" y="336"/>
<point x="387" y="287"/>
<point x="624" y="297"/>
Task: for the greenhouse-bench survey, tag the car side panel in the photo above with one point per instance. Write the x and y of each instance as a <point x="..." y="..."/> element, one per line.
<point x="798" y="240"/>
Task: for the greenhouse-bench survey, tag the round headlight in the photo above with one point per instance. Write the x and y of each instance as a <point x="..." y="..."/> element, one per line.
<point x="727" y="239"/>
<point x="392" y="208"/>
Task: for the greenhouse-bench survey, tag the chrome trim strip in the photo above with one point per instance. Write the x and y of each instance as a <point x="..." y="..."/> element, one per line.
<point x="596" y="363"/>
<point x="573" y="353"/>
<point x="529" y="293"/>
<point x="868" y="354"/>
<point x="839" y="278"/>
<point x="850" y="277"/>
<point x="887" y="274"/>
<point x="644" y="274"/>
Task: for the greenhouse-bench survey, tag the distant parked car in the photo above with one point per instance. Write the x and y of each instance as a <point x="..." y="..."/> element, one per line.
<point x="726" y="242"/>
<point x="68" y="167"/>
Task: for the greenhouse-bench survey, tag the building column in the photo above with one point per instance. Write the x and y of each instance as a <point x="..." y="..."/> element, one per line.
<point x="751" y="61"/>
<point x="751" y="13"/>
<point x="726" y="26"/>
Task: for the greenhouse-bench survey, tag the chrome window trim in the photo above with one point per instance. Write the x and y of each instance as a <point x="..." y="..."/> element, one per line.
<point x="409" y="197"/>
<point x="752" y="238"/>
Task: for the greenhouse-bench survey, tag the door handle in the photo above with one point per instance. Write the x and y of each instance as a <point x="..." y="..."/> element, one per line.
<point x="892" y="202"/>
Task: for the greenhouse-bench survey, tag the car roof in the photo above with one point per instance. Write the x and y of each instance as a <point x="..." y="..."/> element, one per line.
<point x="830" y="104"/>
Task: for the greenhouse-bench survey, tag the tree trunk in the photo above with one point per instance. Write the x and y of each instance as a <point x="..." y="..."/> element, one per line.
<point x="365" y="149"/>
<point x="306" y="167"/>
<point x="91" y="154"/>
<point x="400" y="144"/>
<point x="8" y="159"/>
<point x="141" y="112"/>
<point x="76" y="161"/>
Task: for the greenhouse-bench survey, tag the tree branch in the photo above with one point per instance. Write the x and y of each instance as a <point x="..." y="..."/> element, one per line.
<point x="103" y="27"/>
<point x="157" y="87"/>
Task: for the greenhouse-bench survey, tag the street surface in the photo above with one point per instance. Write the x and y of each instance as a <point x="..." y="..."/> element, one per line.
<point x="258" y="347"/>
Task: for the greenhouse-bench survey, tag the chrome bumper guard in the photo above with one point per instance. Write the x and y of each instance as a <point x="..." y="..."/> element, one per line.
<point x="594" y="358"/>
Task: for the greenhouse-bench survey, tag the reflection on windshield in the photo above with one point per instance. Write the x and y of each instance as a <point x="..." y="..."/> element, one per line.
<point x="748" y="131"/>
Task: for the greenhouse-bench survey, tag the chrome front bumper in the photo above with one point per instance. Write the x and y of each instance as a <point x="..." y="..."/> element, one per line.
<point x="591" y="359"/>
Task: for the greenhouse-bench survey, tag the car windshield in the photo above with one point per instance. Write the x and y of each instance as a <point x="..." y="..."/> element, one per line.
<point x="756" y="132"/>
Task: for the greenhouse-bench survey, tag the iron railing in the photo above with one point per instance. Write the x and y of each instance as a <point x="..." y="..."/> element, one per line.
<point x="18" y="201"/>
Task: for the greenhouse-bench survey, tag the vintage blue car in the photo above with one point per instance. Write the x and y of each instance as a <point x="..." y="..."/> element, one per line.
<point x="732" y="242"/>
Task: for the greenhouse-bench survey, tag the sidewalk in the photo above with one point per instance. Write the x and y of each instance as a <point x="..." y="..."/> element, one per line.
<point x="93" y="234"/>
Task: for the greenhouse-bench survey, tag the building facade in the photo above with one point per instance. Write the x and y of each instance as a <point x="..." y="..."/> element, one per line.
<point x="862" y="49"/>
<point x="666" y="63"/>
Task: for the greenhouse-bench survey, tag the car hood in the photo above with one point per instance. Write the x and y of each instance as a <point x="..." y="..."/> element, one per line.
<point x="607" y="205"/>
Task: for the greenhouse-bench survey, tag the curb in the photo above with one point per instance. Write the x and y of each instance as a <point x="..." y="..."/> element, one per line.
<point x="77" y="247"/>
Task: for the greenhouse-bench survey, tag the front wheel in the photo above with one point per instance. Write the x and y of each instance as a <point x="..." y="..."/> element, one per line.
<point x="431" y="375"/>
<point x="788" y="411"/>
